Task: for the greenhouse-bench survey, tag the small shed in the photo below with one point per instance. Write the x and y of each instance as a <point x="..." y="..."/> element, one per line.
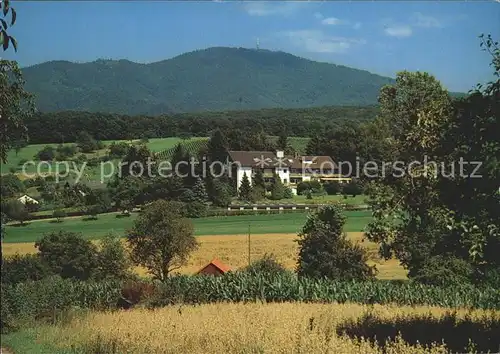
<point x="215" y="267"/>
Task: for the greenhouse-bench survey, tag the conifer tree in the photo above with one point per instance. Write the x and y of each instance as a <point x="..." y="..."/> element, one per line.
<point x="245" y="188"/>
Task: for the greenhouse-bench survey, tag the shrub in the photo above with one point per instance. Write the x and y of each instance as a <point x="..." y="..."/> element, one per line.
<point x="118" y="150"/>
<point x="21" y="268"/>
<point x="59" y="214"/>
<point x="443" y="271"/>
<point x="48" y="153"/>
<point x="288" y="193"/>
<point x="332" y="188"/>
<point x="113" y="259"/>
<point x="353" y="189"/>
<point x="266" y="265"/>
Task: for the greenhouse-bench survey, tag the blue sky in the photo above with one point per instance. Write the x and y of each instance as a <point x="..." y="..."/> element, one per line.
<point x="381" y="37"/>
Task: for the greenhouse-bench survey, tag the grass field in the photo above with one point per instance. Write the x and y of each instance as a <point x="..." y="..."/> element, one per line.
<point x="223" y="225"/>
<point x="254" y="328"/>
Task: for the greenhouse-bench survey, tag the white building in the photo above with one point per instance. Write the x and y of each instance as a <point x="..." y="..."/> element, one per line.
<point x="27" y="199"/>
<point x="291" y="170"/>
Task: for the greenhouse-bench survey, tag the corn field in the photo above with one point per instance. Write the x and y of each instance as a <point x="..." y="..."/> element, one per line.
<point x="45" y="299"/>
<point x="239" y="287"/>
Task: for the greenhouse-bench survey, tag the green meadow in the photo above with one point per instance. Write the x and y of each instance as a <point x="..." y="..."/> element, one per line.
<point x="219" y="225"/>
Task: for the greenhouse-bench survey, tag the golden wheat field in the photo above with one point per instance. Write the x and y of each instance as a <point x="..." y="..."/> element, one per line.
<point x="233" y="251"/>
<point x="237" y="328"/>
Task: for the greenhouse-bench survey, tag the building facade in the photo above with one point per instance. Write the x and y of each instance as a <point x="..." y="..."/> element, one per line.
<point x="290" y="169"/>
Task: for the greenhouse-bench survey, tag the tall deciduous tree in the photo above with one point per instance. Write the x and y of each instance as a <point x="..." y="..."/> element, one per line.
<point x="15" y="103"/>
<point x="439" y="222"/>
<point x="5" y="39"/>
<point x="162" y="238"/>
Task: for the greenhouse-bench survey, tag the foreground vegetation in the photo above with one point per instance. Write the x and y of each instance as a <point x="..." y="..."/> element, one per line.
<point x="267" y="328"/>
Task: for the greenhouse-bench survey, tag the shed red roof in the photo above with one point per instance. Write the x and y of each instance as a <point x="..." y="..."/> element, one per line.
<point x="218" y="264"/>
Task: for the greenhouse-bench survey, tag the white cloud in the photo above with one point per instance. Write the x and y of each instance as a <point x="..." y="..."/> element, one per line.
<point x="272" y="9"/>
<point x="424" y="21"/>
<point x="334" y="21"/>
<point x="398" y="31"/>
<point x="316" y="41"/>
<point x="331" y="21"/>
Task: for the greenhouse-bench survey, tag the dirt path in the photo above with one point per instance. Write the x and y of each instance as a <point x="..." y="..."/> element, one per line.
<point x="5" y="351"/>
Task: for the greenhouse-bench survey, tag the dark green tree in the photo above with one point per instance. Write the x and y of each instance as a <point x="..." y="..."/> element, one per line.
<point x="258" y="179"/>
<point x="86" y="142"/>
<point x="277" y="188"/>
<point x="11" y="185"/>
<point x="425" y="218"/>
<point x="220" y="194"/>
<point x="218" y="147"/>
<point x="69" y="254"/>
<point x="112" y="258"/>
<point x="245" y="189"/>
<point x="325" y="251"/>
<point x="15" y="210"/>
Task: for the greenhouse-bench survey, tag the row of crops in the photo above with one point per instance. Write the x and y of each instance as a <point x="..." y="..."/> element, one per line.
<point x="35" y="299"/>
<point x="194" y="146"/>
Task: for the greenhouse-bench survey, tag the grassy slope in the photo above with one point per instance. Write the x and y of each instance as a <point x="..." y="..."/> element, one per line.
<point x="226" y="225"/>
<point x="93" y="173"/>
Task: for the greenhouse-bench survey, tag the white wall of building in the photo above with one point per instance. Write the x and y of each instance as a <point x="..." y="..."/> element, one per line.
<point x="284" y="174"/>
<point x="240" y="171"/>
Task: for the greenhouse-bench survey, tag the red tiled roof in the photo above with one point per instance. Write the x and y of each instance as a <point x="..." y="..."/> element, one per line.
<point x="218" y="264"/>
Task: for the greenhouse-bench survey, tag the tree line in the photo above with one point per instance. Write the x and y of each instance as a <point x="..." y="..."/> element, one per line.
<point x="63" y="127"/>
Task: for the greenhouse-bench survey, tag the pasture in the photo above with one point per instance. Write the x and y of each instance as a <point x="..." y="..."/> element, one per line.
<point x="263" y="328"/>
<point x="218" y="225"/>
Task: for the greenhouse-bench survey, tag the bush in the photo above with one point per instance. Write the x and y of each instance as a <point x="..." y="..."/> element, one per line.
<point x="21" y="268"/>
<point x="266" y="265"/>
<point x="332" y="188"/>
<point x="118" y="150"/>
<point x="69" y="255"/>
<point x="59" y="214"/>
<point x="314" y="186"/>
<point x="443" y="271"/>
<point x="257" y="193"/>
<point x="352" y="189"/>
<point x="288" y="193"/>
<point x="64" y="152"/>
<point x="113" y="259"/>
<point x="48" y="153"/>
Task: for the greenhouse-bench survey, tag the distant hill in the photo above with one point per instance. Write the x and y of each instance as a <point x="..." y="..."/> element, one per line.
<point x="213" y="79"/>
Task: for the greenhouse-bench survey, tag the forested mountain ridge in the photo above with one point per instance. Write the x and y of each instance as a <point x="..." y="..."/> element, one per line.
<point x="212" y="79"/>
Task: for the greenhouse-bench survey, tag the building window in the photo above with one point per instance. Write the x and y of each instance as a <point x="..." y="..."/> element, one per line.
<point x="284" y="171"/>
<point x="285" y="181"/>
